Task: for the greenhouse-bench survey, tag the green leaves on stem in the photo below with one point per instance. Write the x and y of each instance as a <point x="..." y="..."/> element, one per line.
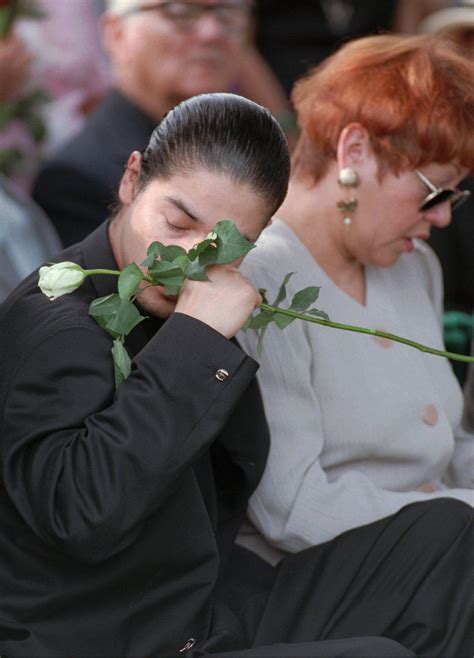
<point x="122" y="362"/>
<point x="116" y="315"/>
<point x="170" y="266"/>
<point x="167" y="266"/>
<point x="299" y="304"/>
<point x="129" y="281"/>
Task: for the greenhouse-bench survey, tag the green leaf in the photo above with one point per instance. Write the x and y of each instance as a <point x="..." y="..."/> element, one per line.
<point x="129" y="281"/>
<point x="198" y="249"/>
<point x="165" y="253"/>
<point x="260" y="340"/>
<point x="261" y="320"/>
<point x="282" y="321"/>
<point x="208" y="257"/>
<point x="173" y="286"/>
<point x="167" y="275"/>
<point x="103" y="305"/>
<point x="231" y="245"/>
<point x="101" y="309"/>
<point x="115" y="315"/>
<point x="171" y="252"/>
<point x="152" y="254"/>
<point x="282" y="291"/>
<point x="161" y="270"/>
<point x="181" y="262"/>
<point x="122" y="362"/>
<point x="317" y="314"/>
<point x="102" y="322"/>
<point x="248" y="323"/>
<point x="304" y="298"/>
<point x="125" y="318"/>
<point x="195" y="271"/>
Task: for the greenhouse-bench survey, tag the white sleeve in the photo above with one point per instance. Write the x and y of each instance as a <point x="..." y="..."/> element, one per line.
<point x="296" y="505"/>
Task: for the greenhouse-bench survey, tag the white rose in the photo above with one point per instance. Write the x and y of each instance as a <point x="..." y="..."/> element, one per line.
<point x="60" y="279"/>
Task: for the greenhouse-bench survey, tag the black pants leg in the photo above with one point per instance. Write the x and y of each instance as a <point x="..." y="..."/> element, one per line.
<point x="408" y="577"/>
<point x="357" y="647"/>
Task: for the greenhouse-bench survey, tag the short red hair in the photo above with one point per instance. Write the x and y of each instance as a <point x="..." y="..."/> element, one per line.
<point x="413" y="94"/>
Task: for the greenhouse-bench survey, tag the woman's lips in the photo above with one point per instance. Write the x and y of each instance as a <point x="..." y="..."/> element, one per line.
<point x="408" y="240"/>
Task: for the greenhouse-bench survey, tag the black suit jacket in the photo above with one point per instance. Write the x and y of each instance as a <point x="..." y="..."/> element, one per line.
<point x="294" y="37"/>
<point x="118" y="510"/>
<point x="76" y="187"/>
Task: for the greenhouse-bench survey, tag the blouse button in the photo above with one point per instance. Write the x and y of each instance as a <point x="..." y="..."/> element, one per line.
<point x="189" y="645"/>
<point x="222" y="375"/>
<point x="427" y="487"/>
<point x="430" y="415"/>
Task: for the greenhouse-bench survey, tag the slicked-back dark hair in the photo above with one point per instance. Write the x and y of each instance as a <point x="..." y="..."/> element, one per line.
<point x="224" y="134"/>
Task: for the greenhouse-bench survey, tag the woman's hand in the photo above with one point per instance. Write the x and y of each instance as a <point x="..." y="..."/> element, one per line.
<point x="224" y="303"/>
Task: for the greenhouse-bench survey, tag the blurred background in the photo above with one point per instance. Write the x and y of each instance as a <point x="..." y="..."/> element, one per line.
<point x="62" y="55"/>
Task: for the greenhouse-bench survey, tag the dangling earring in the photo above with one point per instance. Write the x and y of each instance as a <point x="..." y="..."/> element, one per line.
<point x="347" y="178"/>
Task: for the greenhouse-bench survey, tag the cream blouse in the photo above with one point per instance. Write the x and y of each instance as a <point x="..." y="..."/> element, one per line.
<point x="360" y="427"/>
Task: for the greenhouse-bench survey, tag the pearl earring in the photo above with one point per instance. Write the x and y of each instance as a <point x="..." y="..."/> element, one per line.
<point x="347" y="178"/>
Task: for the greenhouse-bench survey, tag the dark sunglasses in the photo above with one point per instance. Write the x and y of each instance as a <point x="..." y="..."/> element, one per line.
<point x="233" y="15"/>
<point x="454" y="195"/>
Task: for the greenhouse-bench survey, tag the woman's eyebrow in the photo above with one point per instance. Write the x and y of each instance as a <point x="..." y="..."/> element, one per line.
<point x="181" y="205"/>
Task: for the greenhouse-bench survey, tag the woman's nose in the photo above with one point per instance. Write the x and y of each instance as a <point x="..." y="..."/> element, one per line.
<point x="439" y="215"/>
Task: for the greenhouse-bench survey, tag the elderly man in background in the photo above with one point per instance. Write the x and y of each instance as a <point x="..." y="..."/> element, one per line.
<point x="161" y="53"/>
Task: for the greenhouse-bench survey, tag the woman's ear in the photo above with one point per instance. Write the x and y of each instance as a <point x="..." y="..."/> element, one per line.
<point x="129" y="183"/>
<point x="354" y="147"/>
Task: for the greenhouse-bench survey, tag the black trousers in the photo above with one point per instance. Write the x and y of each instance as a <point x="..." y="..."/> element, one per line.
<point x="406" y="579"/>
<point x="356" y="647"/>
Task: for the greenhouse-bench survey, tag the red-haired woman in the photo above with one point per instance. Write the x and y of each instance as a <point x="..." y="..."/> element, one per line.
<point x="362" y="427"/>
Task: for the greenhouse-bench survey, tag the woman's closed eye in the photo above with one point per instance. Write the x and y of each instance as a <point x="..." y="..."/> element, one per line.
<point x="178" y="225"/>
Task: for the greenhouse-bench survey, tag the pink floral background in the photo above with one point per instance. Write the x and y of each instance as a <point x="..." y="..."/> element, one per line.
<point x="70" y="66"/>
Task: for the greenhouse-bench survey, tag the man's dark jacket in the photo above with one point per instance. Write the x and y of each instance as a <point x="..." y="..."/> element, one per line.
<point x="76" y="187"/>
<point x="119" y="510"/>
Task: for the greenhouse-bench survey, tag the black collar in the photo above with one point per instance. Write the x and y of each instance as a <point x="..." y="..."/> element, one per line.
<point x="97" y="253"/>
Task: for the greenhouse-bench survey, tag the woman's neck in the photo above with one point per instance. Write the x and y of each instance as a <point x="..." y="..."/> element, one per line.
<point x="312" y="213"/>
